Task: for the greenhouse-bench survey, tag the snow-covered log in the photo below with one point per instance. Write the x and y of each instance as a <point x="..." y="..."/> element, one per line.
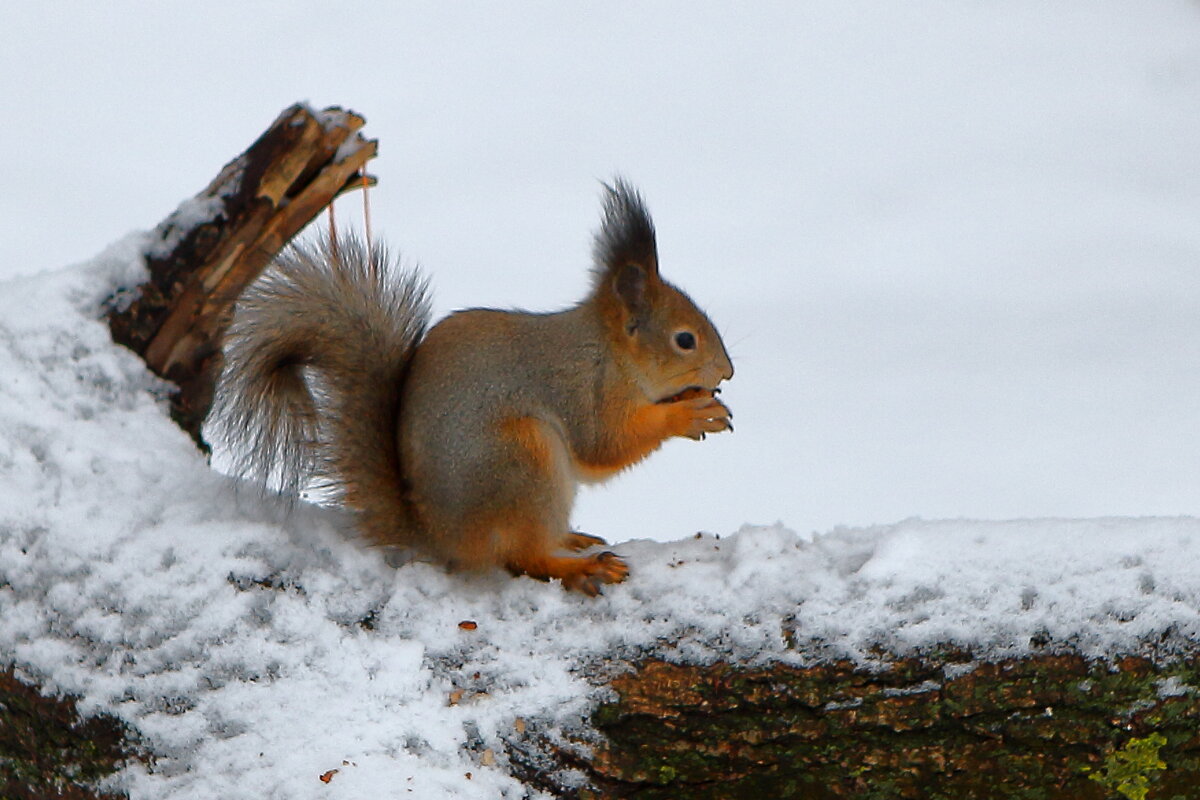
<point x="255" y="651"/>
<point x="203" y="255"/>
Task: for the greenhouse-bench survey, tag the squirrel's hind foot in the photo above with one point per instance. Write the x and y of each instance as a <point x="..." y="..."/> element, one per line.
<point x="606" y="567"/>
<point x="586" y="574"/>
<point x="581" y="541"/>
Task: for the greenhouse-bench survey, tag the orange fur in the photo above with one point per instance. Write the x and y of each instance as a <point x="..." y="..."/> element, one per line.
<point x="636" y="433"/>
<point x="527" y="432"/>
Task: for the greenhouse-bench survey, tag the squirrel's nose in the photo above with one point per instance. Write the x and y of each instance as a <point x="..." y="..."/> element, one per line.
<point x="724" y="369"/>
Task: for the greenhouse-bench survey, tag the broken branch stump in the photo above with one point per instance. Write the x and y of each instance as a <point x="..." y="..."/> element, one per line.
<point x="204" y="254"/>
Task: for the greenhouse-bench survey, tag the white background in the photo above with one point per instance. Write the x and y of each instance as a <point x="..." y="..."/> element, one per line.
<point x="954" y="247"/>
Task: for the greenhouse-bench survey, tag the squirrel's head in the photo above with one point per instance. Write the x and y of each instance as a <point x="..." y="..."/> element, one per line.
<point x="670" y="343"/>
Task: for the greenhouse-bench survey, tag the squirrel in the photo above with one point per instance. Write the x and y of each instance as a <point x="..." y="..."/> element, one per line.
<point x="466" y="440"/>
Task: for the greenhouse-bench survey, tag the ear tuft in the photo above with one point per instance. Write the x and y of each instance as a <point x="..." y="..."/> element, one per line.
<point x="626" y="235"/>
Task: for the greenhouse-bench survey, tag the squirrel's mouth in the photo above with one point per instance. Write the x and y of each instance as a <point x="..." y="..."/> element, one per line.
<point x="685" y="393"/>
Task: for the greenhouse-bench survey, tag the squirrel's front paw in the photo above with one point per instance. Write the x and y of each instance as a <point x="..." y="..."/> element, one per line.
<point x="703" y="414"/>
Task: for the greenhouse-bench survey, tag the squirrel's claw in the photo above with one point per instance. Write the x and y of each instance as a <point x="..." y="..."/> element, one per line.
<point x="703" y="414"/>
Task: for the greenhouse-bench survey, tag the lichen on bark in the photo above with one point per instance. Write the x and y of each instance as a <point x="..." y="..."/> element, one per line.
<point x="948" y="727"/>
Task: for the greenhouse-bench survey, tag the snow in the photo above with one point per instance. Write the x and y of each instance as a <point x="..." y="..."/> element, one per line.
<point x="257" y="648"/>
<point x="190" y="214"/>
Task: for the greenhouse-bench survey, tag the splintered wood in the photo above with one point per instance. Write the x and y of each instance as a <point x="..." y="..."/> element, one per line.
<point x="202" y="256"/>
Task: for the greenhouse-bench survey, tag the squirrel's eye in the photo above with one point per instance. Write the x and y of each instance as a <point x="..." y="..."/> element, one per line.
<point x="685" y="340"/>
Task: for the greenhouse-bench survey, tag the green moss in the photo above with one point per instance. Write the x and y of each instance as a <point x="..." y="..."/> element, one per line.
<point x="1130" y="770"/>
<point x="607" y="714"/>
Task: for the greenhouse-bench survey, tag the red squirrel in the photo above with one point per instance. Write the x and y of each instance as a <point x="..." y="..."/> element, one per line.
<point x="467" y="441"/>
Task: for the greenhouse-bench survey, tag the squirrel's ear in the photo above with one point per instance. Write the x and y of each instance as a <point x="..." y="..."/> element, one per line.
<point x="632" y="286"/>
<point x="626" y="235"/>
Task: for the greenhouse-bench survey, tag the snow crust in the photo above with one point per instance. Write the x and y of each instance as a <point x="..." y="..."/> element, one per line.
<point x="256" y="650"/>
<point x="189" y="215"/>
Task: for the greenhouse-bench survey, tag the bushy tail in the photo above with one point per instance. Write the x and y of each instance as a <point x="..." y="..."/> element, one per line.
<point x="314" y="362"/>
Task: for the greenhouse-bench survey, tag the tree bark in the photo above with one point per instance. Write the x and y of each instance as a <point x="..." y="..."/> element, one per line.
<point x="204" y="254"/>
<point x="49" y="752"/>
<point x="942" y="727"/>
